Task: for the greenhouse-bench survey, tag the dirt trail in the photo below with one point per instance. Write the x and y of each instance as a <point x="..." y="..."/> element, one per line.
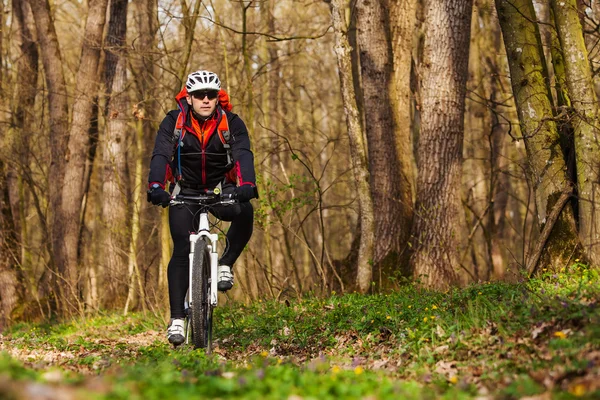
<point x="69" y="354"/>
<point x="91" y="356"/>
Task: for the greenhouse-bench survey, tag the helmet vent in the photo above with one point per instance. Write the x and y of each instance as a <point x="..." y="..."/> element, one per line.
<point x="203" y="80"/>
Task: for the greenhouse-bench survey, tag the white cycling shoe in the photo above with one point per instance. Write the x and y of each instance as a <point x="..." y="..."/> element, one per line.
<point x="225" y="278"/>
<point x="176" y="332"/>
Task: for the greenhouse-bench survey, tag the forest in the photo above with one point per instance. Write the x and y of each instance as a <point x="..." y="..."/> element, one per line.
<point x="402" y="147"/>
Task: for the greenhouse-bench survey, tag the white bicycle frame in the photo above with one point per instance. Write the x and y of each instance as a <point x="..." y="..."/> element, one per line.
<point x="212" y="240"/>
<point x="204" y="231"/>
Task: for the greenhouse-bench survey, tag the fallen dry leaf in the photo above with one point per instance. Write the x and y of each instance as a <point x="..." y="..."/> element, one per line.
<point x="446" y="368"/>
<point x="441" y="349"/>
<point x="538" y="330"/>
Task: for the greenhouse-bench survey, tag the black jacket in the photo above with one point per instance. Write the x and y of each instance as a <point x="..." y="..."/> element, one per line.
<point x="202" y="166"/>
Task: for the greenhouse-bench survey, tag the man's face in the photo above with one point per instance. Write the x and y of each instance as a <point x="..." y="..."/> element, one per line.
<point x="203" y="101"/>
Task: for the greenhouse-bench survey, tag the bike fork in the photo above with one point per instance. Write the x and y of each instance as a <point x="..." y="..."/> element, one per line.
<point x="188" y="301"/>
<point x="214" y="263"/>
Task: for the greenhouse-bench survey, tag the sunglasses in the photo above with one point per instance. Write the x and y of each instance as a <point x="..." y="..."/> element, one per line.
<point x="201" y="94"/>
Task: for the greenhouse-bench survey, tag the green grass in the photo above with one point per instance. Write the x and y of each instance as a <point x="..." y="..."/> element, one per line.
<point x="504" y="340"/>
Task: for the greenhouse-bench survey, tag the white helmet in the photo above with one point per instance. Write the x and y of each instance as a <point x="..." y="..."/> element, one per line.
<point x="202" y="80"/>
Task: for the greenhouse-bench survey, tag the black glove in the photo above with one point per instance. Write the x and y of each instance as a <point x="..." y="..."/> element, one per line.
<point x="159" y="196"/>
<point x="244" y="193"/>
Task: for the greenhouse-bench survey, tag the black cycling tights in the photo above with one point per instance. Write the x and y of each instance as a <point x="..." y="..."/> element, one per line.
<point x="181" y="223"/>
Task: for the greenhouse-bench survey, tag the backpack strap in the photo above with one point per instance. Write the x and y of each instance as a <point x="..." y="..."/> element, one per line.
<point x="178" y="143"/>
<point x="225" y="136"/>
<point x="178" y="130"/>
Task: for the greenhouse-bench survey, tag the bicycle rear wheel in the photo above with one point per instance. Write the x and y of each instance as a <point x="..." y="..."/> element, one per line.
<point x="201" y="309"/>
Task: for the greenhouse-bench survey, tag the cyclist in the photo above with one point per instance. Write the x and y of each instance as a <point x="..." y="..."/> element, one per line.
<point x="199" y="146"/>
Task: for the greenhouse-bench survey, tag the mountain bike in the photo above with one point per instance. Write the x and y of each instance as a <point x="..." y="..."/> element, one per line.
<point x="201" y="297"/>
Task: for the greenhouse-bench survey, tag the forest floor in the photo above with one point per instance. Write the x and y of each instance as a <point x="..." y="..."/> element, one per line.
<point x="534" y="340"/>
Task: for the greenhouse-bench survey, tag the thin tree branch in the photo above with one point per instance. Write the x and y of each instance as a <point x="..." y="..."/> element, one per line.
<point x="272" y="38"/>
<point x="533" y="260"/>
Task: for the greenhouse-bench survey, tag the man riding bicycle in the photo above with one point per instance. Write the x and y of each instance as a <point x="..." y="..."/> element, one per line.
<point x="199" y="146"/>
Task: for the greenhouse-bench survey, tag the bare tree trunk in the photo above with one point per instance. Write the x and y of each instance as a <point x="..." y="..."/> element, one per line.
<point x="439" y="224"/>
<point x="357" y="147"/>
<point x="265" y="168"/>
<point x="529" y="78"/>
<point x="145" y="75"/>
<point x="507" y="188"/>
<point x="23" y="117"/>
<point x="72" y="189"/>
<point x="585" y="123"/>
<point x="9" y="255"/>
<point x="114" y="204"/>
<point x="114" y="182"/>
<point x="9" y="247"/>
<point x="402" y="33"/>
<point x="58" y="130"/>
<point x="270" y="110"/>
<point x="133" y="269"/>
<point x="376" y="62"/>
<point x="477" y="170"/>
<point x="565" y="124"/>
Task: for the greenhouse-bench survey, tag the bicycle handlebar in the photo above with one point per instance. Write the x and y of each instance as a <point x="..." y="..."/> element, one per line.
<point x="209" y="198"/>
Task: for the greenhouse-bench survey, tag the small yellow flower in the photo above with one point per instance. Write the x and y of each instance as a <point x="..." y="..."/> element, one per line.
<point x="264" y="353"/>
<point x="358" y="370"/>
<point x="434" y="307"/>
<point x="388" y="317"/>
<point x="335" y="369"/>
<point x="479" y="293"/>
<point x="372" y="320"/>
<point x="425" y="319"/>
<point x="577" y="260"/>
<point x="453" y="379"/>
<point x="432" y="317"/>
<point x="279" y="361"/>
<point x="426" y="308"/>
<point x="560" y="334"/>
<point x="409" y="306"/>
<point x="578" y="390"/>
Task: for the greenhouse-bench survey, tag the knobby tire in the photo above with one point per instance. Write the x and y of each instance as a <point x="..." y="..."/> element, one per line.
<point x="201" y="310"/>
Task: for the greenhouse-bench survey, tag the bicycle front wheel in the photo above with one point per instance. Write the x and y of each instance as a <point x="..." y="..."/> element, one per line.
<point x="201" y="309"/>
